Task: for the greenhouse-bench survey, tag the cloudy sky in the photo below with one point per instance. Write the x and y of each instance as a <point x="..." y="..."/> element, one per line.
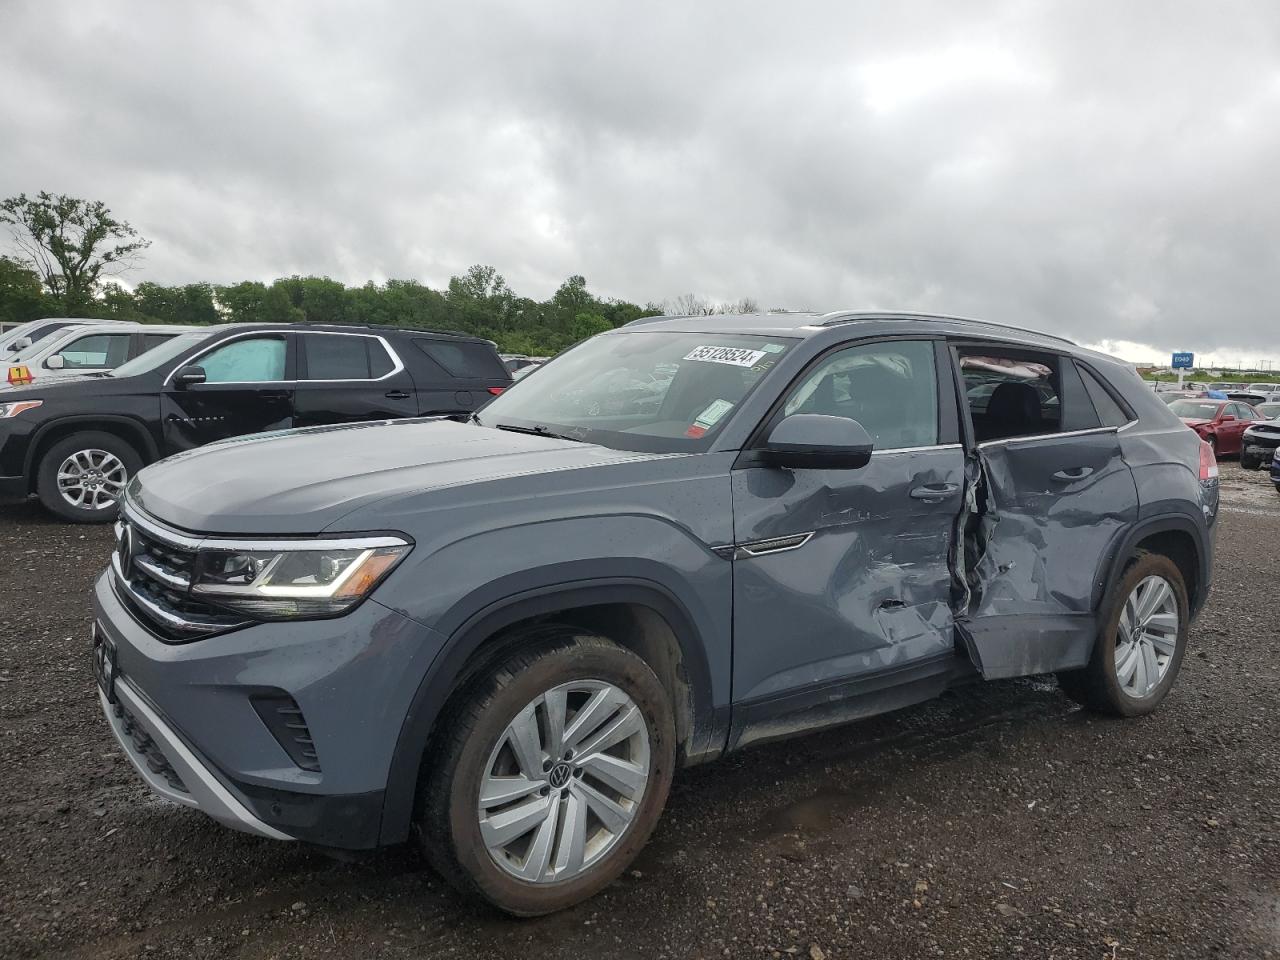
<point x="1106" y="170"/>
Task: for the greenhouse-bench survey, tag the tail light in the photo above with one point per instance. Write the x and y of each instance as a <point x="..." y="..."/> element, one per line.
<point x="1208" y="462"/>
<point x="496" y="390"/>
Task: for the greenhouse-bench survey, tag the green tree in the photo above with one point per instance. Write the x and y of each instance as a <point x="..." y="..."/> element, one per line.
<point x="189" y="304"/>
<point x="21" y="296"/>
<point x="71" y="244"/>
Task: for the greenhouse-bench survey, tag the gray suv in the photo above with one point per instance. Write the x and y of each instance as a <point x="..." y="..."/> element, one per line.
<point x="500" y="638"/>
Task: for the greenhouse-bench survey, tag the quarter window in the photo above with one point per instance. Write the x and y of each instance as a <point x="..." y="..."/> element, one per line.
<point x="890" y="388"/>
<point x="464" y="359"/>
<point x="251" y="360"/>
<point x="1109" y="411"/>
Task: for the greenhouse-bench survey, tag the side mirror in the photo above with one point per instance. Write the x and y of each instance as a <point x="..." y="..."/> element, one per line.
<point x="20" y="344"/>
<point x="56" y="362"/>
<point x="1227" y="417"/>
<point x="818" y="442"/>
<point x="186" y="376"/>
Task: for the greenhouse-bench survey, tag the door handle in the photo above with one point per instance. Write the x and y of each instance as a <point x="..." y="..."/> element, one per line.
<point x="397" y="395"/>
<point x="934" y="491"/>
<point x="1073" y="474"/>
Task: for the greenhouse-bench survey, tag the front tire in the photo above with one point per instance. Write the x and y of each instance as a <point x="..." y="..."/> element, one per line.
<point x="1140" y="646"/>
<point x="1248" y="462"/>
<point x="551" y="774"/>
<point x="82" y="477"/>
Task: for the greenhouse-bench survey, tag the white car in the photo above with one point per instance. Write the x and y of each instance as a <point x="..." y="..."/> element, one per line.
<point x="22" y="336"/>
<point x="90" y="348"/>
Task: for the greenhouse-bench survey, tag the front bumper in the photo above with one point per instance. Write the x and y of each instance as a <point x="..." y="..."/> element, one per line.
<point x="191" y="709"/>
<point x="1262" y="446"/>
<point x="11" y="487"/>
<point x="171" y="768"/>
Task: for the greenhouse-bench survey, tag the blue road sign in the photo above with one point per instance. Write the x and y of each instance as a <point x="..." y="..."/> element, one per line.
<point x="1184" y="361"/>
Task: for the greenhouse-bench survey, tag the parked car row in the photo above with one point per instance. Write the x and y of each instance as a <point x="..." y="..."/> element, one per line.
<point x="75" y="441"/>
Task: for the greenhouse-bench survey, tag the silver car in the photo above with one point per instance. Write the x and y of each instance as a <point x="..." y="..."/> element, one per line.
<point x="90" y="348"/>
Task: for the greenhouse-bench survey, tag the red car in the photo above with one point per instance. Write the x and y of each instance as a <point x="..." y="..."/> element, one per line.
<point x="1220" y="423"/>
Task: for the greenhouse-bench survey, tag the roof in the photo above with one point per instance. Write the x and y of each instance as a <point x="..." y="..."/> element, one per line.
<point x="810" y="323"/>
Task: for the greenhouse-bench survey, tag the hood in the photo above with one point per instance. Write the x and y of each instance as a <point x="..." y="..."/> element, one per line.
<point x="41" y="387"/>
<point x="302" y="481"/>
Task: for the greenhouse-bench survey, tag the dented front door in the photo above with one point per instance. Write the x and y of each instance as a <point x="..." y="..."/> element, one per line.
<point x="842" y="574"/>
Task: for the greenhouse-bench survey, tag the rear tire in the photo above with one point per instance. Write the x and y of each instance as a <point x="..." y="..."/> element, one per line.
<point x="1139" y="651"/>
<point x="81" y="478"/>
<point x="461" y="826"/>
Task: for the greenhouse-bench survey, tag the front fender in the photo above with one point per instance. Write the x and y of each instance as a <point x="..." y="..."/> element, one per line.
<point x="484" y="579"/>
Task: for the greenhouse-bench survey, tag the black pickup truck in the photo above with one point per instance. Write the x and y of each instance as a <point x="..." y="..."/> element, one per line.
<point x="76" y="442"/>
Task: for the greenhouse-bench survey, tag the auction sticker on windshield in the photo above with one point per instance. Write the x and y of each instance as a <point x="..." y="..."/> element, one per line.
<point x="735" y="356"/>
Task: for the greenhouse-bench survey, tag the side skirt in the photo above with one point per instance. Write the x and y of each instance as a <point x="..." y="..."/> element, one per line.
<point x="825" y="705"/>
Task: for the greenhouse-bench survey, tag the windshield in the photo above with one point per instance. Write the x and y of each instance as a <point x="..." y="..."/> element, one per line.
<point x="1195" y="409"/>
<point x="1269" y="410"/>
<point x="654" y="391"/>
<point x="143" y="363"/>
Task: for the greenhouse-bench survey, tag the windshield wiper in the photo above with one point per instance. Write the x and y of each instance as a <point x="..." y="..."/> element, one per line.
<point x="538" y="430"/>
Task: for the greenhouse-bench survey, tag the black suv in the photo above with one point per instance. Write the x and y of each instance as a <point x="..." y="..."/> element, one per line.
<point x="76" y="442"/>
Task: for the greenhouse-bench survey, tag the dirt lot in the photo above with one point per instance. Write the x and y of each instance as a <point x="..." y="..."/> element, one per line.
<point x="998" y="821"/>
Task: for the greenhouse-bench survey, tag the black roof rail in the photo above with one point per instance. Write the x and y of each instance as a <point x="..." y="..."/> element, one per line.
<point x="844" y="316"/>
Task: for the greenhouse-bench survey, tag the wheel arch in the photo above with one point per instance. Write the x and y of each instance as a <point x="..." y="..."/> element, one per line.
<point x="641" y="615"/>
<point x="126" y="428"/>
<point x="1173" y="535"/>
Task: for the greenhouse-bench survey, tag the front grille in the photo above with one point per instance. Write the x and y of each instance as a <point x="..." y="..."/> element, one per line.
<point x="1267" y="428"/>
<point x="153" y="571"/>
<point x="148" y="750"/>
<point x="283" y="717"/>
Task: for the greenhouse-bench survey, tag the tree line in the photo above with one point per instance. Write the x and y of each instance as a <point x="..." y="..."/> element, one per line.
<point x="67" y="252"/>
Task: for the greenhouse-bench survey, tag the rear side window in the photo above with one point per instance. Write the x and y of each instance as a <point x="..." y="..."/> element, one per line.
<point x="1011" y="394"/>
<point x="469" y="361"/>
<point x="150" y="340"/>
<point x="1110" y="413"/>
<point x="345" y="357"/>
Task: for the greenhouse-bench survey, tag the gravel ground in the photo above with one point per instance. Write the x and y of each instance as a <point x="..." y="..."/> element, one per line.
<point x="997" y="821"/>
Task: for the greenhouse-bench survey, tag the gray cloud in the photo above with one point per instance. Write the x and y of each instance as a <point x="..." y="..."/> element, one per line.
<point x="1104" y="170"/>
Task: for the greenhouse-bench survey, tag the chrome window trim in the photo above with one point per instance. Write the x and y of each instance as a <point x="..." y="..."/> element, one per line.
<point x="161" y="532"/>
<point x="398" y="364"/>
<point x="923" y="449"/>
<point x="1046" y="436"/>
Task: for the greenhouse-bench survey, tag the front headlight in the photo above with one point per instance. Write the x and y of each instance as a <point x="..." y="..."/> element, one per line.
<point x="8" y="410"/>
<point x="300" y="579"/>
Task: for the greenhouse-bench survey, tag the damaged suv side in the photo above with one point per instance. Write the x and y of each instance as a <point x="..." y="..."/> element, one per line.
<point x="501" y="638"/>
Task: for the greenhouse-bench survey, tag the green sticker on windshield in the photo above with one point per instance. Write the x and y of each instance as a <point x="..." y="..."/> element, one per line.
<point x="713" y="414"/>
<point x="774" y="347"/>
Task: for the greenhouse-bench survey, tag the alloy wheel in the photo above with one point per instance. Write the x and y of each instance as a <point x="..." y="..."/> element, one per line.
<point x="564" y="781"/>
<point x="1147" y="636"/>
<point x="92" y="479"/>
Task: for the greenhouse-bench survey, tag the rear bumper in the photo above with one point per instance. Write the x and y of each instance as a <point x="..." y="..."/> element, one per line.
<point x="170" y="767"/>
